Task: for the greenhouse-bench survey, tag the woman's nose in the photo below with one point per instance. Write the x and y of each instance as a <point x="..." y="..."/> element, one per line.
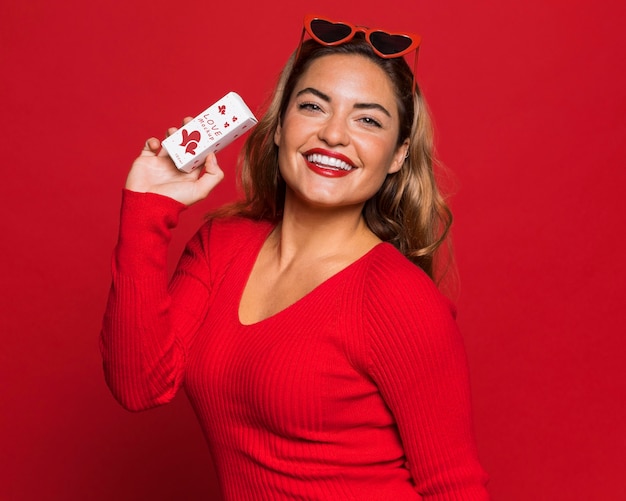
<point x="334" y="131"/>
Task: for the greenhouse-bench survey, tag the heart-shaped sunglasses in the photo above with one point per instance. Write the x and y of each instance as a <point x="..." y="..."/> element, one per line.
<point x="386" y="45"/>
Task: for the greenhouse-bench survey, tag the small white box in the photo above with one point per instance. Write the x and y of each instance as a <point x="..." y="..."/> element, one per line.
<point x="213" y="129"/>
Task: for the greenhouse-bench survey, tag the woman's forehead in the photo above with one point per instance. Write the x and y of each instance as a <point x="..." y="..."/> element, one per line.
<point x="347" y="76"/>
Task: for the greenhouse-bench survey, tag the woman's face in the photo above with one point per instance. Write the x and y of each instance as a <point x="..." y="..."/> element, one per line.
<point x="338" y="138"/>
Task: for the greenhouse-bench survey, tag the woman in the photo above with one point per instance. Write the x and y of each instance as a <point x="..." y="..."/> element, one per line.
<point x="321" y="362"/>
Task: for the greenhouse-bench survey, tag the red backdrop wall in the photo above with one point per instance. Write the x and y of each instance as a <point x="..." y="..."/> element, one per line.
<point x="529" y="100"/>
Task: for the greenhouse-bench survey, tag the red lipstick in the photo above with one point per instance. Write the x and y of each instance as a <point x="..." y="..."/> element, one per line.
<point x="328" y="163"/>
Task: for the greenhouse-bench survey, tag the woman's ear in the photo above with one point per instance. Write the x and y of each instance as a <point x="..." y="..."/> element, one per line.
<point x="277" y="134"/>
<point x="401" y="154"/>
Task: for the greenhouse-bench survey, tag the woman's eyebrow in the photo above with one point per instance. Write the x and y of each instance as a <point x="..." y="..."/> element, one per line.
<point x="372" y="106"/>
<point x="358" y="106"/>
<point x="315" y="92"/>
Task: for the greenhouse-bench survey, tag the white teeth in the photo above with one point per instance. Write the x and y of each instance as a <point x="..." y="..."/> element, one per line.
<point x="326" y="161"/>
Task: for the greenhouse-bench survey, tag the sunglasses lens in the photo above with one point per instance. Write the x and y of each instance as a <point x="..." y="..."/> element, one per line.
<point x="390" y="44"/>
<point x="329" y="32"/>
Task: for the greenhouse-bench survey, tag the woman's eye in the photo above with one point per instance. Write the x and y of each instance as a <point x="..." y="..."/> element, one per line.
<point x="371" y="121"/>
<point x="309" y="106"/>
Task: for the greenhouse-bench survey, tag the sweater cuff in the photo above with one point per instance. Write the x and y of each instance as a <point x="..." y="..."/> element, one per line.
<point x="146" y="221"/>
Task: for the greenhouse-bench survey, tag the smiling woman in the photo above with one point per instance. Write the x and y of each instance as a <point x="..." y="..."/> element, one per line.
<point x="303" y="322"/>
<point x="341" y="122"/>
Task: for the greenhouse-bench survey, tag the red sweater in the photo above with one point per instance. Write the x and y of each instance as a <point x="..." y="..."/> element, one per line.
<point x="358" y="391"/>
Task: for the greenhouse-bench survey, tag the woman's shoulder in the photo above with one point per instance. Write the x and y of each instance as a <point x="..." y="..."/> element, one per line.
<point x="388" y="267"/>
<point x="233" y="231"/>
<point x="397" y="286"/>
<point x="237" y="227"/>
<point x="403" y="313"/>
<point x="228" y="236"/>
<point x="224" y="241"/>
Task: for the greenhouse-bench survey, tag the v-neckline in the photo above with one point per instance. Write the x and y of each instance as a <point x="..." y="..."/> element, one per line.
<point x="246" y="275"/>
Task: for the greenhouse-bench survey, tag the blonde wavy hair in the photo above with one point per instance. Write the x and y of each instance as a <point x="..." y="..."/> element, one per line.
<point x="408" y="211"/>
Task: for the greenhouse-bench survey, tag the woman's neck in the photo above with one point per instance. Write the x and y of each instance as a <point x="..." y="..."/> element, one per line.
<point x="321" y="233"/>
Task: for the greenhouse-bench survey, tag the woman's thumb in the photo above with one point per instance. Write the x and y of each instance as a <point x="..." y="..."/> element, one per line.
<point x="211" y="176"/>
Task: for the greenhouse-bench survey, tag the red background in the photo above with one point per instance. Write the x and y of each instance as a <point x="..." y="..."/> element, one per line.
<point x="530" y="103"/>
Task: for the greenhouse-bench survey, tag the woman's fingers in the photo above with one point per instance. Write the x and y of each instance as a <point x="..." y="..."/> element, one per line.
<point x="151" y="147"/>
<point x="155" y="172"/>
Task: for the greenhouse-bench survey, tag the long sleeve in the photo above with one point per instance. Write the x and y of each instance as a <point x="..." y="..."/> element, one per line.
<point x="417" y="360"/>
<point x="358" y="390"/>
<point x="146" y="323"/>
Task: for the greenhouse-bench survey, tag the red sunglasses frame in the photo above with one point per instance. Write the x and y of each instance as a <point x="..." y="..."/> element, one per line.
<point x="414" y="38"/>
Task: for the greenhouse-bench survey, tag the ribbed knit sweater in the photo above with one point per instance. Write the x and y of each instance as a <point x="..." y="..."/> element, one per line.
<point x="357" y="391"/>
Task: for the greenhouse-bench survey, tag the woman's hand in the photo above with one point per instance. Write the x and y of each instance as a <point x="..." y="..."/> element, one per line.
<point x="154" y="172"/>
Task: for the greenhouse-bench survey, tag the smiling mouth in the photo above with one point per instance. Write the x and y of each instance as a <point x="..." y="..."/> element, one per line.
<point x="326" y="162"/>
